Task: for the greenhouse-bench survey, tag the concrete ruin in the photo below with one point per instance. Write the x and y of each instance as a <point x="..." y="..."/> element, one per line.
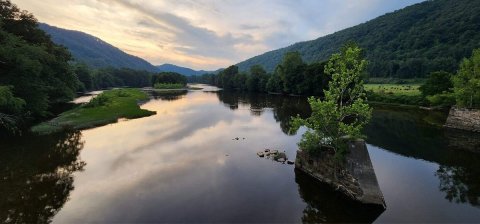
<point x="355" y="179"/>
<point x="464" y="119"/>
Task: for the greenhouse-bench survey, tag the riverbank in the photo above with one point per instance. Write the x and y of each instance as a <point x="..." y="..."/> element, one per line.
<point x="106" y="108"/>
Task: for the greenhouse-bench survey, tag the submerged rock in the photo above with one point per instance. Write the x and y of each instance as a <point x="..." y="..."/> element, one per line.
<point x="355" y="179"/>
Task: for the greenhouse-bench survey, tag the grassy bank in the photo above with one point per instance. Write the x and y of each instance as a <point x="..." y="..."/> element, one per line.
<point x="106" y="108"/>
<point x="407" y="94"/>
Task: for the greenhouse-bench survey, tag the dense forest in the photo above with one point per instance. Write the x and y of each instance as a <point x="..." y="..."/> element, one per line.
<point x="411" y="42"/>
<point x="291" y="76"/>
<point x="34" y="72"/>
<point x="38" y="76"/>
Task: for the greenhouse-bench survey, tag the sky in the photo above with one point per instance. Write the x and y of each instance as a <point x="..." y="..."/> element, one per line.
<point x="206" y="34"/>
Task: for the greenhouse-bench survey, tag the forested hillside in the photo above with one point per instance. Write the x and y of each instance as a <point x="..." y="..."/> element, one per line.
<point x="180" y="70"/>
<point x="411" y="42"/>
<point x="93" y="51"/>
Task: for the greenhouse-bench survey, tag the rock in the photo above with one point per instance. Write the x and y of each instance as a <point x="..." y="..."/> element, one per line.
<point x="267" y="150"/>
<point x="290" y="162"/>
<point x="464" y="119"/>
<point x="260" y="154"/>
<point x="274" y="152"/>
<point x="237" y="138"/>
<point x="280" y="157"/>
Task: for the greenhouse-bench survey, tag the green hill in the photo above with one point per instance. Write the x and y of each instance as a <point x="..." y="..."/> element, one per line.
<point x="411" y="42"/>
<point x="93" y="51"/>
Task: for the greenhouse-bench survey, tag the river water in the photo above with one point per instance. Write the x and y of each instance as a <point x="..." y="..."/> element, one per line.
<point x="185" y="164"/>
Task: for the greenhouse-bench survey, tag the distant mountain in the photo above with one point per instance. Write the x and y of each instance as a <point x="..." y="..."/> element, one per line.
<point x="181" y="70"/>
<point x="94" y="51"/>
<point x="411" y="42"/>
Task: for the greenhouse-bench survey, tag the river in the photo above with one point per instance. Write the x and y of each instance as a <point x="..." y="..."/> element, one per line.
<point x="185" y="164"/>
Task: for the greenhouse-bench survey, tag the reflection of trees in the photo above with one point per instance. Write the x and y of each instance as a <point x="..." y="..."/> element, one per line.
<point x="169" y="95"/>
<point x="284" y="107"/>
<point x="36" y="176"/>
<point x="326" y="205"/>
<point x="460" y="184"/>
<point x="408" y="132"/>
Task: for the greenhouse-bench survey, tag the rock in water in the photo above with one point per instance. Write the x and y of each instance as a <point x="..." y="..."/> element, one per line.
<point x="260" y="154"/>
<point x="282" y="160"/>
<point x="290" y="162"/>
<point x="356" y="179"/>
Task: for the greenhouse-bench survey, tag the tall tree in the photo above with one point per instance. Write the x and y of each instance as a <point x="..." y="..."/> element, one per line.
<point x="466" y="83"/>
<point x="38" y="70"/>
<point x="256" y="80"/>
<point x="291" y="72"/>
<point x="437" y="82"/>
<point x="342" y="114"/>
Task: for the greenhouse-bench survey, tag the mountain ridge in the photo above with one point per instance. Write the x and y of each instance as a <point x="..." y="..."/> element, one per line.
<point x="181" y="70"/>
<point x="410" y="42"/>
<point x="94" y="51"/>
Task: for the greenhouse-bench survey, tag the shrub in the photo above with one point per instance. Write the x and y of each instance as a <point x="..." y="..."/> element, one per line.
<point x="98" y="101"/>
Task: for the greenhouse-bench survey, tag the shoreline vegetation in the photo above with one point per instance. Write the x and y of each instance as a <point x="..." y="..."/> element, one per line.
<point x="104" y="109"/>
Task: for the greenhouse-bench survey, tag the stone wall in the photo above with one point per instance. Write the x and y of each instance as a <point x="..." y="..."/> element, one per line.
<point x="355" y="178"/>
<point x="464" y="119"/>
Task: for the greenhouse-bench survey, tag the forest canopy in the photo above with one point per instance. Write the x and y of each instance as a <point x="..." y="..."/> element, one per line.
<point x="412" y="42"/>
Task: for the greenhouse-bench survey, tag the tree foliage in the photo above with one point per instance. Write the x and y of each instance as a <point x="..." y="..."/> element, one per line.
<point x="411" y="42"/>
<point x="437" y="83"/>
<point x="37" y="69"/>
<point x="467" y="81"/>
<point x="292" y="76"/>
<point x="169" y="77"/>
<point x="342" y="113"/>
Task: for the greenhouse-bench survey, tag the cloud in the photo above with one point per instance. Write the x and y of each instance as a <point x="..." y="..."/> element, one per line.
<point x="206" y="34"/>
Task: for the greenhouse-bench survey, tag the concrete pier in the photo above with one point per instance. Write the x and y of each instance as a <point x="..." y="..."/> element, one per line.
<point x="355" y="178"/>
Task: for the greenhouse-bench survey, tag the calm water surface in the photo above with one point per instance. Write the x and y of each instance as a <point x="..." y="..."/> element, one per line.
<point x="184" y="165"/>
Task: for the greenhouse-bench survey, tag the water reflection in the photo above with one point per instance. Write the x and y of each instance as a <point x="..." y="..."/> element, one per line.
<point x="284" y="107"/>
<point x="36" y="176"/>
<point x="408" y="133"/>
<point x="169" y="95"/>
<point x="181" y="165"/>
<point x="324" y="205"/>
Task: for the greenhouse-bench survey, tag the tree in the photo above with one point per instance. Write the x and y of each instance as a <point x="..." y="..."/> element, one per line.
<point x="466" y="84"/>
<point x="343" y="113"/>
<point x="227" y="77"/>
<point x="291" y="72"/>
<point x="275" y="84"/>
<point x="84" y="75"/>
<point x="437" y="82"/>
<point x="169" y="77"/>
<point x="36" y="68"/>
<point x="256" y="79"/>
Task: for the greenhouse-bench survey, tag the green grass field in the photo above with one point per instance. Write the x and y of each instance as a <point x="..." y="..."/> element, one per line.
<point x="106" y="108"/>
<point x="404" y="94"/>
<point x="394" y="89"/>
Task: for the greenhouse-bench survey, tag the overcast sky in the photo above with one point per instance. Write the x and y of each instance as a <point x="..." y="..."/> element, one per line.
<point x="206" y="34"/>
